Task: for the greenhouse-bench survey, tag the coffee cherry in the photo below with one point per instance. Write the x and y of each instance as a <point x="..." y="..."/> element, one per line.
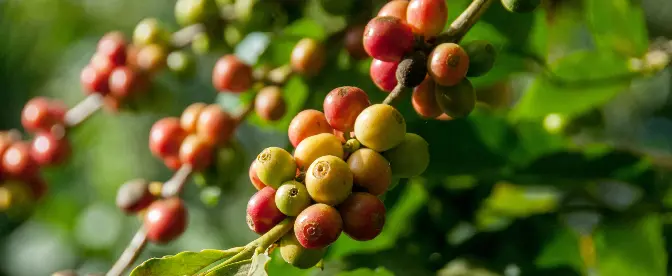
<point x="380" y="127"/>
<point x="102" y="64"/>
<point x="410" y="158"/>
<point x="291" y="198"/>
<point x="275" y="166"/>
<point x="353" y="42"/>
<point x="363" y="216"/>
<point x="387" y="38"/>
<point x="395" y="8"/>
<point x="180" y="62"/>
<point x="481" y="55"/>
<point x="165" y="220"/>
<point x="308" y="57"/>
<point x="49" y="149"/>
<point x="14" y="195"/>
<point x="298" y="256"/>
<point x="269" y="104"/>
<point x="126" y="82"/>
<point x="165" y="137"/>
<point x="172" y="162"/>
<point x="448" y="64"/>
<point x="424" y="100"/>
<point x="341" y="135"/>
<point x="41" y="113"/>
<point x="521" y="6"/>
<point x="231" y="74"/>
<point x="412" y="70"/>
<point x="370" y="171"/>
<point x="188" y="12"/>
<point x="343" y="104"/>
<point x="307" y="123"/>
<point x="201" y="43"/>
<point x="113" y="46"/>
<point x="134" y="196"/>
<point x="152" y="58"/>
<point x="318" y="226"/>
<point x="329" y="180"/>
<point x="456" y="101"/>
<point x="383" y="74"/>
<point x="189" y="118"/>
<point x="94" y="81"/>
<point x="262" y="213"/>
<point x="214" y="125"/>
<point x="17" y="162"/>
<point x="427" y="17"/>
<point x="150" y="31"/>
<point x="132" y="55"/>
<point x="196" y="152"/>
<point x="256" y="182"/>
<point x="315" y="147"/>
<point x="444" y="117"/>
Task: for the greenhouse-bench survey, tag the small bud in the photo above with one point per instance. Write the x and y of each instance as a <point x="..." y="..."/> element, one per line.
<point x="412" y="70"/>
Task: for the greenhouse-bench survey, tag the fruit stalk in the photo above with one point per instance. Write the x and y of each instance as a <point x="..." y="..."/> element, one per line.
<point x="83" y="110"/>
<point x="130" y="254"/>
<point x="465" y="21"/>
<point x="395" y="94"/>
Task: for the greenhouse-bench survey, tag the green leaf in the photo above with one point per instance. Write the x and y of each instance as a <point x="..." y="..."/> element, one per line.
<point x="255" y="266"/>
<point x="306" y="27"/>
<point x="522" y="201"/>
<point x="617" y="25"/>
<point x="562" y="249"/>
<point x="184" y="263"/>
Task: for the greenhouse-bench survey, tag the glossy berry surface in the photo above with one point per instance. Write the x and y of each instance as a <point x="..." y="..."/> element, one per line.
<point x="370" y="171"/>
<point x="126" y="82"/>
<point x="448" y="64"/>
<point x="181" y="62"/>
<point x="41" y="113"/>
<point x="380" y="127"/>
<point x="94" y="81"/>
<point x="252" y="172"/>
<point x="342" y="106"/>
<point x="410" y="158"/>
<point x="165" y="220"/>
<point x="275" y="166"/>
<point x="292" y="197"/>
<point x="17" y="161"/>
<point x="165" y="137"/>
<point x="113" y="46"/>
<point x="482" y="57"/>
<point x="308" y="57"/>
<point x="329" y="180"/>
<point x="315" y="147"/>
<point x="456" y="101"/>
<point x="383" y="74"/>
<point x="395" y="8"/>
<point x="102" y="64"/>
<point x="387" y="38"/>
<point x="363" y="216"/>
<point x="424" y="101"/>
<point x="231" y="74"/>
<point x="214" y="125"/>
<point x="150" y="31"/>
<point x="298" y="256"/>
<point x="262" y="213"/>
<point x="196" y="152"/>
<point x="188" y="12"/>
<point x="152" y="58"/>
<point x="133" y="196"/>
<point x="427" y="17"/>
<point x="307" y="123"/>
<point x="353" y="42"/>
<point x="318" y="226"/>
<point x="189" y="117"/>
<point x="50" y="149"/>
<point x="270" y="104"/>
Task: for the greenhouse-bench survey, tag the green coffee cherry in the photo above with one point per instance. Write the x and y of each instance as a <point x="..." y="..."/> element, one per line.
<point x="181" y="63"/>
<point x="482" y="57"/>
<point x="410" y="158"/>
<point x="201" y="44"/>
<point x="275" y="166"/>
<point x="521" y="6"/>
<point x="188" y="12"/>
<point x="456" y="101"/>
<point x="295" y="254"/>
<point x="291" y="198"/>
<point x="150" y="31"/>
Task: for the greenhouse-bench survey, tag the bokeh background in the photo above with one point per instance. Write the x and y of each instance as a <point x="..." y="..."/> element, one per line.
<point x="563" y="169"/>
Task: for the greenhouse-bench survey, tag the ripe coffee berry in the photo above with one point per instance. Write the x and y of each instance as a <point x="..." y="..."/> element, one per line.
<point x="269" y="104"/>
<point x="214" y="125"/>
<point x="329" y="180"/>
<point x="94" y="81"/>
<point x="252" y="172"/>
<point x="521" y="6"/>
<point x="196" y="152"/>
<point x="125" y="82"/>
<point x="17" y="161"/>
<point x="410" y="158"/>
<point x="165" y="137"/>
<point x="412" y="70"/>
<point x="113" y="46"/>
<point x="275" y="166"/>
<point x="308" y="57"/>
<point x="353" y="42"/>
<point x="363" y="216"/>
<point x="424" y="101"/>
<point x="318" y="226"/>
<point x="150" y="31"/>
<point x="134" y="196"/>
<point x="295" y="254"/>
<point x="307" y="123"/>
<point x="172" y="162"/>
<point x="102" y="64"/>
<point x="380" y="127"/>
<point x="481" y="55"/>
<point x="315" y="147"/>
<point x="427" y="17"/>
<point x="262" y="213"/>
<point x="165" y="220"/>
<point x="370" y="171"/>
<point x="387" y="38"/>
<point x="48" y="148"/>
<point x="395" y="8"/>
<point x="189" y="117"/>
<point x="448" y="64"/>
<point x="231" y="74"/>
<point x="383" y="74"/>
<point x="42" y="114"/>
<point x="456" y="101"/>
<point x="152" y="58"/>
<point x="342" y="106"/>
<point x="292" y="197"/>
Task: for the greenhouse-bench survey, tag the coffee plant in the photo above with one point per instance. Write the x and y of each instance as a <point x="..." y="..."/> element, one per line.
<point x="421" y="137"/>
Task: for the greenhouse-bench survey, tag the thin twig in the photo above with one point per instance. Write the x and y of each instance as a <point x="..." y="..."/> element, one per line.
<point x="184" y="36"/>
<point x="465" y="21"/>
<point x="395" y="94"/>
<point x="130" y="254"/>
<point x="175" y="184"/>
<point x="83" y="110"/>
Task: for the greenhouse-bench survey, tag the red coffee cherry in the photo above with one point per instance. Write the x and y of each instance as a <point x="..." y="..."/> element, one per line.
<point x="387" y="38"/>
<point x="231" y="74"/>
<point x="269" y="104"/>
<point x="383" y="74"/>
<point x="214" y="125"/>
<point x="363" y="216"/>
<point x="172" y="162"/>
<point x="307" y="123"/>
<point x="254" y="178"/>
<point x="395" y="8"/>
<point x="308" y="57"/>
<point x="94" y="81"/>
<point x="134" y="196"/>
<point x="196" y="152"/>
<point x="353" y="42"/>
<point x="42" y="114"/>
<point x="343" y="104"/>
<point x="113" y="46"/>
<point x="318" y="226"/>
<point x="262" y="214"/>
<point x="448" y="64"/>
<point x="102" y="64"/>
<point x="126" y="82"/>
<point x="370" y="170"/>
<point x="165" y="137"/>
<point x="424" y="100"/>
<point x="189" y="118"/>
<point x="17" y="162"/>
<point x="48" y="148"/>
<point x="427" y="17"/>
<point x="166" y="220"/>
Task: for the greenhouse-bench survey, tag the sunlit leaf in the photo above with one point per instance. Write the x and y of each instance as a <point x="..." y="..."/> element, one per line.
<point x="184" y="263"/>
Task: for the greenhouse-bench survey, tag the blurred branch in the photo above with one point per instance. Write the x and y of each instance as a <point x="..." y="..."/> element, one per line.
<point x="184" y="36"/>
<point x="130" y="254"/>
<point x="83" y="110"/>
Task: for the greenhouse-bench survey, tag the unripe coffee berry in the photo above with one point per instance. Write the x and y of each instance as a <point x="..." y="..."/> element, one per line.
<point x="134" y="196"/>
<point x="307" y="123"/>
<point x="380" y="127"/>
<point x="94" y="81"/>
<point x="521" y="6"/>
<point x="329" y="180"/>
<point x="152" y="58"/>
<point x="318" y="226"/>
<point x="410" y="158"/>
<point x="113" y="46"/>
<point x="181" y="62"/>
<point x="342" y="106"/>
<point x="298" y="256"/>
<point x="448" y="64"/>
<point x="126" y="82"/>
<point x="424" y="100"/>
<point x="269" y="103"/>
<point x="482" y="57"/>
<point x="275" y="166"/>
<point x="370" y="171"/>
<point x="427" y="17"/>
<point x="383" y="74"/>
<point x="165" y="137"/>
<point x="395" y="8"/>
<point x="231" y="74"/>
<point x="412" y="70"/>
<point x="292" y="197"/>
<point x="214" y="125"/>
<point x="165" y="220"/>
<point x="150" y="31"/>
<point x="188" y="12"/>
<point x="196" y="152"/>
<point x="363" y="216"/>
<point x="48" y="148"/>
<point x="14" y="195"/>
<point x="308" y="57"/>
<point x="262" y="213"/>
<point x="315" y="147"/>
<point x="252" y="172"/>
<point x="387" y="38"/>
<point x="353" y="42"/>
<point x="42" y="114"/>
<point x="17" y="161"/>
<point x="456" y="101"/>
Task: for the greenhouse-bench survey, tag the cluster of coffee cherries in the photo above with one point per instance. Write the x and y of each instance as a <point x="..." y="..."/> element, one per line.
<point x="404" y="42"/>
<point x="344" y="159"/>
